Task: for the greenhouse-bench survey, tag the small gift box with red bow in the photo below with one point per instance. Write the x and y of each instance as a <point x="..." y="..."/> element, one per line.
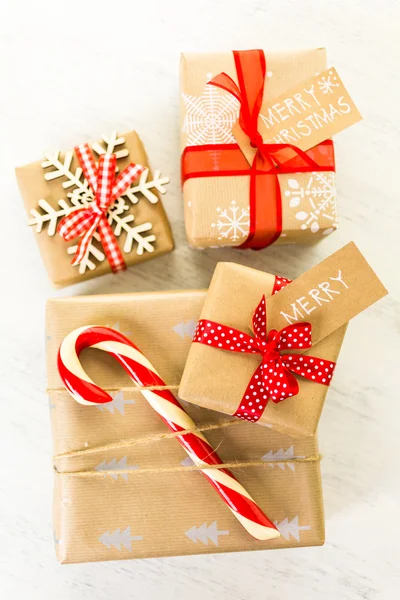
<point x="96" y="209"/>
<point x="269" y="357"/>
<point x="258" y="163"/>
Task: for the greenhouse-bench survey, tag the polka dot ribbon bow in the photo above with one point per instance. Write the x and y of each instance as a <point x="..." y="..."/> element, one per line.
<point x="273" y="379"/>
<point x="107" y="188"/>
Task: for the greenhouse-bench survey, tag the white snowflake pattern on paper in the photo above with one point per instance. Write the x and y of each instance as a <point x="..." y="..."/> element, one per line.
<point x="320" y="196"/>
<point x="233" y="223"/>
<point x="327" y="83"/>
<point x="61" y="166"/>
<point x="209" y="118"/>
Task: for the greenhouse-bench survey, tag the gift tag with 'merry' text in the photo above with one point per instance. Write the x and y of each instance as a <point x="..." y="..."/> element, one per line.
<point x="328" y="295"/>
<point x="310" y="113"/>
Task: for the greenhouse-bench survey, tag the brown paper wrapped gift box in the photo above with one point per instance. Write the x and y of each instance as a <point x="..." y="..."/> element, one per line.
<point x="326" y="297"/>
<point x="137" y="513"/>
<point x="228" y="373"/>
<point x="207" y="117"/>
<point x="53" y="249"/>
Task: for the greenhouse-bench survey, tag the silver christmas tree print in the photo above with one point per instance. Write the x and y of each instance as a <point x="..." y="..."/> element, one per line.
<point x="118" y="404"/>
<point x="291" y="528"/>
<point x="205" y="534"/>
<point x="187" y="462"/>
<point x="116" y="465"/>
<point x="209" y="118"/>
<point x="185" y="328"/>
<point x="119" y="539"/>
<point x="117" y="327"/>
<point x="273" y="458"/>
<point x="56" y="540"/>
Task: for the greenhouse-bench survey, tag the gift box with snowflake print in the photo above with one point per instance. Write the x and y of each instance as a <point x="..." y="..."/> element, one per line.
<point x="134" y="224"/>
<point x="223" y="205"/>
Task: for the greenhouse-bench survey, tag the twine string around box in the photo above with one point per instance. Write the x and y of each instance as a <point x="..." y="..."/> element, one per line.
<point x="130" y="442"/>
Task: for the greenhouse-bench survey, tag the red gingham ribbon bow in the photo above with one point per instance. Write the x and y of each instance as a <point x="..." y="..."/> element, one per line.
<point x="106" y="189"/>
<point x="273" y="379"/>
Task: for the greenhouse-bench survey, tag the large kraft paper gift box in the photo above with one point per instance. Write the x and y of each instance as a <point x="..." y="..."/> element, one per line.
<point x="54" y="187"/>
<point x="137" y="513"/>
<point x="224" y="375"/>
<point x="216" y="204"/>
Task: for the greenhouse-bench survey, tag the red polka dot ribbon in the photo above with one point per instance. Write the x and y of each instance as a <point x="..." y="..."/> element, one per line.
<point x="106" y="188"/>
<point x="274" y="379"/>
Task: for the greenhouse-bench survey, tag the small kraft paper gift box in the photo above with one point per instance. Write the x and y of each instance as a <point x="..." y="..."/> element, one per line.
<point x="297" y="333"/>
<point x="124" y="487"/>
<point x="96" y="209"/>
<point x="257" y="159"/>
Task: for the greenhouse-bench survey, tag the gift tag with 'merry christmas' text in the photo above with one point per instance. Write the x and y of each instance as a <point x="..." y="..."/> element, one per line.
<point x="305" y="116"/>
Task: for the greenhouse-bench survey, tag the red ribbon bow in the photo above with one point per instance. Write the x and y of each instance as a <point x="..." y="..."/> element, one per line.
<point x="273" y="379"/>
<point x="106" y="189"/>
<point x="265" y="194"/>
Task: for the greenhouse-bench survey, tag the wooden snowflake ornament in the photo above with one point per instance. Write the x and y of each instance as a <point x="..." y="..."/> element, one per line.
<point x="144" y="187"/>
<point x="132" y="235"/>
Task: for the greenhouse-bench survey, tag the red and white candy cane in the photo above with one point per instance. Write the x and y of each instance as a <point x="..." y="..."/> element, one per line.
<point x="143" y="374"/>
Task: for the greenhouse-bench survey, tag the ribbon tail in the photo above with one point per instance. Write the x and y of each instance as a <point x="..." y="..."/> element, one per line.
<point x="255" y="398"/>
<point x="226" y="83"/>
<point x="75" y="223"/>
<point x="284" y="154"/>
<point x="250" y="69"/>
<point x="84" y="243"/>
<point x="125" y="179"/>
<point x="260" y="320"/>
<point x="283" y="383"/>
<point x="110" y="245"/>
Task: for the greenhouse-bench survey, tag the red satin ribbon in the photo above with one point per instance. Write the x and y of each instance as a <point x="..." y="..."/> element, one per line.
<point x="270" y="159"/>
<point x="274" y="378"/>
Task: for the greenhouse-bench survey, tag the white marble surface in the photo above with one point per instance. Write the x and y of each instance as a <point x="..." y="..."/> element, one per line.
<point x="71" y="70"/>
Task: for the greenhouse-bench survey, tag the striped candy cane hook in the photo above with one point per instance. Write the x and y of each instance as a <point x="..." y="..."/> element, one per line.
<point x="143" y="374"/>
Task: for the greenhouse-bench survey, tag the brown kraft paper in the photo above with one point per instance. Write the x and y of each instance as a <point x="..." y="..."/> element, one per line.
<point x="308" y="199"/>
<point x="53" y="249"/>
<point x="152" y="503"/>
<point x="327" y="296"/>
